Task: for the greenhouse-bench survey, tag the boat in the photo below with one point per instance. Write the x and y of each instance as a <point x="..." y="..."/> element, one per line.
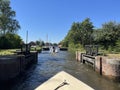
<point x="53" y="49"/>
<point x="63" y="49"/>
<point x="45" y="48"/>
<point x="63" y="81"/>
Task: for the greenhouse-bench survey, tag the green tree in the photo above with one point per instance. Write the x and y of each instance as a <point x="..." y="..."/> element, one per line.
<point x="74" y="33"/>
<point x="86" y="32"/>
<point x="80" y="33"/>
<point x="108" y="35"/>
<point x="10" y="41"/>
<point x="37" y="42"/>
<point x="8" y="24"/>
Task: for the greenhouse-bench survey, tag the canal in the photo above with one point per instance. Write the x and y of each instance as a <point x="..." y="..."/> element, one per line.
<point x="49" y="64"/>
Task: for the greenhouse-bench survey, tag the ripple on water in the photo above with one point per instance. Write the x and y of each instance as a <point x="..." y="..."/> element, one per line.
<point x="49" y="64"/>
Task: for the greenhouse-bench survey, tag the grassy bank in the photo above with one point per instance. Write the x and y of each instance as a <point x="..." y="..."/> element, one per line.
<point x="108" y="53"/>
<point x="75" y="47"/>
<point x="11" y="51"/>
<point x="7" y="51"/>
<point x="37" y="48"/>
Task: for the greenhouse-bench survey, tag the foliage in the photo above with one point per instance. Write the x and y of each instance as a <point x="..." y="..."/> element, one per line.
<point x="7" y="21"/>
<point x="74" y="47"/>
<point x="40" y="43"/>
<point x="108" y="35"/>
<point x="117" y="48"/>
<point x="36" y="48"/>
<point x="8" y="27"/>
<point x="10" y="41"/>
<point x="80" y="33"/>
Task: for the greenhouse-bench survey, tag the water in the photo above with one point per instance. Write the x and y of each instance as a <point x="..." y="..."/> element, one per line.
<point x="50" y="64"/>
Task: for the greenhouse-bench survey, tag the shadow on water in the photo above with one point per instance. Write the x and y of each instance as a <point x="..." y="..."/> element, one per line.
<point x="49" y="64"/>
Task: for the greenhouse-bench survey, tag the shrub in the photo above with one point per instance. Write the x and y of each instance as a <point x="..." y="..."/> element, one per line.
<point x="10" y="41"/>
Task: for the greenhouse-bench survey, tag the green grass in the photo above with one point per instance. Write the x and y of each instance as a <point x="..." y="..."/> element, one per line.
<point x="7" y="51"/>
<point x="11" y="51"/>
<point x="35" y="48"/>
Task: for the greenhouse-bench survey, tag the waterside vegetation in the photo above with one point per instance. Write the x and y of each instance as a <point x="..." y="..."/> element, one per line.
<point x="83" y="33"/>
<point x="9" y="39"/>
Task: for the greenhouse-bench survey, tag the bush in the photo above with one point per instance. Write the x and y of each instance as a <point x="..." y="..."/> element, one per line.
<point x="10" y="41"/>
<point x="117" y="48"/>
<point x="74" y="47"/>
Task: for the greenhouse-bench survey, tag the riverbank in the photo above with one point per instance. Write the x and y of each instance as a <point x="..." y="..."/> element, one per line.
<point x="4" y="52"/>
<point x="7" y="51"/>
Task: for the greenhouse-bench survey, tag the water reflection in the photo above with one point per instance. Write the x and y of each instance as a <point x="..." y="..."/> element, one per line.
<point x="49" y="64"/>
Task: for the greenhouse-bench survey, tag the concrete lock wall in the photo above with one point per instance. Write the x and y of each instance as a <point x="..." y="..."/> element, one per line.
<point x="79" y="56"/>
<point x="12" y="66"/>
<point x="9" y="67"/>
<point x="103" y="65"/>
<point x="109" y="67"/>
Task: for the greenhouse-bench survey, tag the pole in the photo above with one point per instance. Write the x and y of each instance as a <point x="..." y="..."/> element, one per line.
<point x="47" y="40"/>
<point x="27" y="37"/>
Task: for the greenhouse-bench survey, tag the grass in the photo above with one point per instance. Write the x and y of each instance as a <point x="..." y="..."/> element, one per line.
<point x="37" y="48"/>
<point x="11" y="51"/>
<point x="7" y="51"/>
<point x="110" y="54"/>
<point x="117" y="56"/>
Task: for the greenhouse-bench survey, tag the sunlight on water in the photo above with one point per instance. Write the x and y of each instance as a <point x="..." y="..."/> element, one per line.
<point x="49" y="64"/>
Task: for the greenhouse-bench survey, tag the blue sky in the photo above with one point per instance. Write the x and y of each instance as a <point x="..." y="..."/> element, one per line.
<point x="55" y="17"/>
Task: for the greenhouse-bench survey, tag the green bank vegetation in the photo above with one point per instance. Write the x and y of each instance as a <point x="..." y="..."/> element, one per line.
<point x="36" y="48"/>
<point x="8" y="27"/>
<point x="83" y="33"/>
<point x="7" y="51"/>
<point x="9" y="39"/>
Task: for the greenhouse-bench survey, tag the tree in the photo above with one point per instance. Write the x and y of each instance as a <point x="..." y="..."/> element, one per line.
<point x="80" y="32"/>
<point x="73" y="34"/>
<point x="108" y="35"/>
<point x="10" y="41"/>
<point x="86" y="32"/>
<point x="8" y="24"/>
<point x="37" y="42"/>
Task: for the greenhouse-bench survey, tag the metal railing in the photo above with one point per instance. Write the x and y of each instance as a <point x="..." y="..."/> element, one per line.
<point x="91" y="50"/>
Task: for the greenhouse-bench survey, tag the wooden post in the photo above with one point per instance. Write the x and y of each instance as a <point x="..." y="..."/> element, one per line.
<point x="77" y="55"/>
<point x="81" y="57"/>
<point x="100" y="65"/>
<point x="94" y="65"/>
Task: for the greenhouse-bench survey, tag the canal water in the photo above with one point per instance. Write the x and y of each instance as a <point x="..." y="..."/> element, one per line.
<point x="50" y="64"/>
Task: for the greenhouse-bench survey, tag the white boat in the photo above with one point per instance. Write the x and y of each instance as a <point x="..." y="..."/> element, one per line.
<point x="63" y="81"/>
<point x="56" y="49"/>
<point x="53" y="49"/>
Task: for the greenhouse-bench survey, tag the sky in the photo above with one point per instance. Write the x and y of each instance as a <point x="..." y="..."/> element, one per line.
<point x="53" y="18"/>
